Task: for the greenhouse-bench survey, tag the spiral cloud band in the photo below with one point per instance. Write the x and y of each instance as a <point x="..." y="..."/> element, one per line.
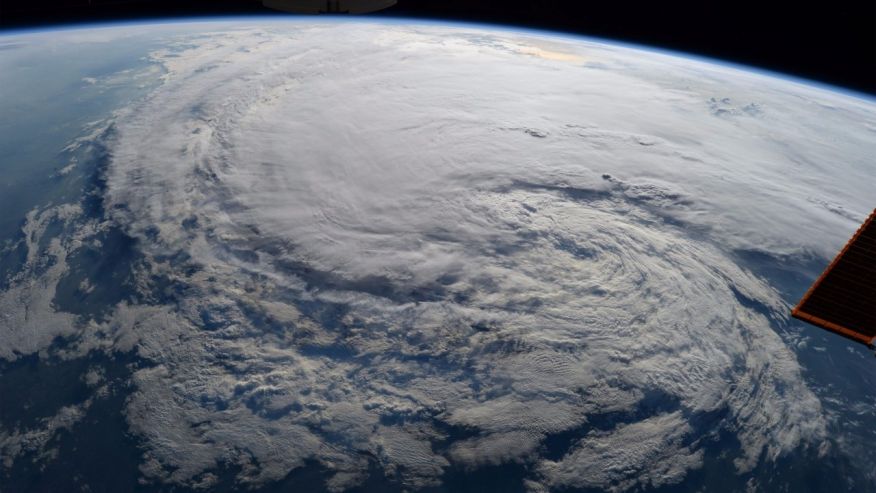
<point x="425" y="248"/>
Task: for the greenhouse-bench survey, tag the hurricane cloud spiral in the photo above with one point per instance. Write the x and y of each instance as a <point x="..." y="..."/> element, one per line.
<point x="426" y="248"/>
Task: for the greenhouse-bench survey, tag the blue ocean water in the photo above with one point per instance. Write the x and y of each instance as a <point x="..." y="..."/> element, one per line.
<point x="55" y="80"/>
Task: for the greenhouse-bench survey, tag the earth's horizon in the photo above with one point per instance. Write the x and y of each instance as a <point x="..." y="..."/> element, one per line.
<point x="350" y="255"/>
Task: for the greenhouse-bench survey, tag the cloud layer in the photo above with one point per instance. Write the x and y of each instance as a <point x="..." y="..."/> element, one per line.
<point x="423" y="247"/>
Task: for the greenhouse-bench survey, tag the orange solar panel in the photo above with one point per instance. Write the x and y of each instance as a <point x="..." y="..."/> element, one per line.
<point x="843" y="299"/>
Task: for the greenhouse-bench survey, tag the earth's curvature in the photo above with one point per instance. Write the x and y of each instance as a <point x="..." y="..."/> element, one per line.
<point x="304" y="256"/>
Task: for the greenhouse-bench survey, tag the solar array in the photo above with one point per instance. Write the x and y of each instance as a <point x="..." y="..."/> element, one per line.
<point x="843" y="299"/>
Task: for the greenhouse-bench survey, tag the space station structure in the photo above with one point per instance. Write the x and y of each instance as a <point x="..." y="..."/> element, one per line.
<point x="843" y="299"/>
<point x="328" y="6"/>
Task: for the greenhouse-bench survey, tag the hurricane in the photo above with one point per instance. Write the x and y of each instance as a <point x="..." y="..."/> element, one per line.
<point x="408" y="250"/>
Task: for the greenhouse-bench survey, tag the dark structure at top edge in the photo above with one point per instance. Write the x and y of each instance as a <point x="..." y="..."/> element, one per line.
<point x="328" y="6"/>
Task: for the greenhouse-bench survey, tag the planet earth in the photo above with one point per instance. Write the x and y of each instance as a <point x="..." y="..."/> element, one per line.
<point x="252" y="254"/>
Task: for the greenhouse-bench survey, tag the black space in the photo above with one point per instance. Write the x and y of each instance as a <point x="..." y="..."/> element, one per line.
<point x="832" y="42"/>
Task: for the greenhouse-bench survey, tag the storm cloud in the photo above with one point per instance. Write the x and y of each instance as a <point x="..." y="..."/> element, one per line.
<point x="427" y="247"/>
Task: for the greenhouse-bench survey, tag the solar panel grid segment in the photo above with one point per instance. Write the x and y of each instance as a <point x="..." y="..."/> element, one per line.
<point x="843" y="299"/>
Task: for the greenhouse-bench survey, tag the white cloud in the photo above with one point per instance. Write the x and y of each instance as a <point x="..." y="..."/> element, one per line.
<point x="27" y="318"/>
<point x="651" y="452"/>
<point x="423" y="230"/>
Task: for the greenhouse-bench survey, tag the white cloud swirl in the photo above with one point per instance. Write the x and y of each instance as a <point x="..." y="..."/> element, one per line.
<point x="430" y="246"/>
